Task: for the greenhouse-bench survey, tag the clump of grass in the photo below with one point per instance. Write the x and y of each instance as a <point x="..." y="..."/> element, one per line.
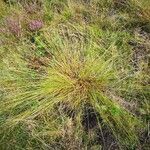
<point x="72" y="77"/>
<point x="59" y="90"/>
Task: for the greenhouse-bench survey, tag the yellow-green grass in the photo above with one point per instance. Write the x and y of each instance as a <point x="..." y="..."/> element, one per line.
<point x="80" y="59"/>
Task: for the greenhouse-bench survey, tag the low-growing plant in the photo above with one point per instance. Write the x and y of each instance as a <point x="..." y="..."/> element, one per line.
<point x="73" y="79"/>
<point x="77" y="77"/>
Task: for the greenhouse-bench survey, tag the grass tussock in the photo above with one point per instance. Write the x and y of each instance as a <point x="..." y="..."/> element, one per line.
<point x="74" y="74"/>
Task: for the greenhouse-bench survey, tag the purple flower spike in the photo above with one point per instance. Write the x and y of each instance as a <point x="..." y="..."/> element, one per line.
<point x="35" y="25"/>
<point x="13" y="26"/>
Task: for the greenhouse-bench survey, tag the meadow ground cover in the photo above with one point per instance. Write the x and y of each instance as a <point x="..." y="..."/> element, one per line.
<point x="74" y="74"/>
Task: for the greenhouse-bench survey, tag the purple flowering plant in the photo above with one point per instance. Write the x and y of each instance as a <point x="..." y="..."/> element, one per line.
<point x="35" y="25"/>
<point x="13" y="26"/>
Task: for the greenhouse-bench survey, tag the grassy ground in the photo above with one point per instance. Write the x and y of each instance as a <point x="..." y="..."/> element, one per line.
<point x="74" y="74"/>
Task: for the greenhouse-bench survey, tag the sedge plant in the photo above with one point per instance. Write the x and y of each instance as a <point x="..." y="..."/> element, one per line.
<point x="50" y="80"/>
<point x="73" y="79"/>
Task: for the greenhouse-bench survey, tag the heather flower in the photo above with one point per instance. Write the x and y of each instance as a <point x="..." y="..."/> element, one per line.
<point x="35" y="25"/>
<point x="13" y="26"/>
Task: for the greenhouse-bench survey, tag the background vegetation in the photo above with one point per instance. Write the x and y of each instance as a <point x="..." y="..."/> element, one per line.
<point x="74" y="74"/>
